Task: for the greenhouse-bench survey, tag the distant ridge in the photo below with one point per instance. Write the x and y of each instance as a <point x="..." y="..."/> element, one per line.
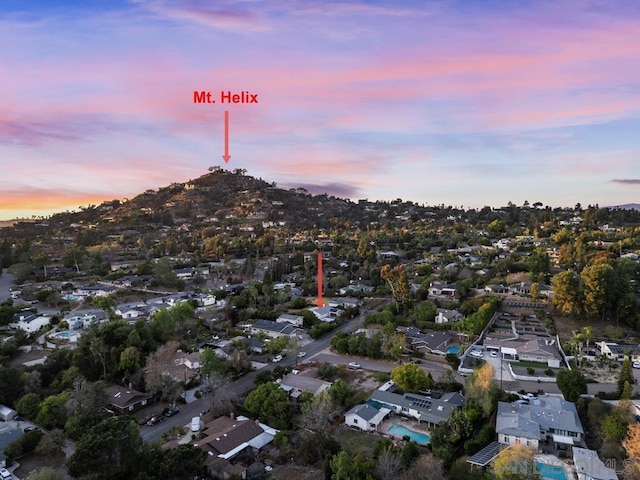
<point x="627" y="206"/>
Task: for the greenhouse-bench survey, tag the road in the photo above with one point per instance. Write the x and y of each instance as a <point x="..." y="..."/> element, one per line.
<point x="6" y="282"/>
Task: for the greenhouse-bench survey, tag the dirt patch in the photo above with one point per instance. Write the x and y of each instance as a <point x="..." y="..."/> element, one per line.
<point x="23" y="358"/>
<point x="35" y="462"/>
<point x="297" y="472"/>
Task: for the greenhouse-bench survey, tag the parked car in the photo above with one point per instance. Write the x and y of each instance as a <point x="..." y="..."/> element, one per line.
<point x="354" y="365"/>
<point x="155" y="420"/>
<point x="635" y="364"/>
<point x="302" y="354"/>
<point x="172" y="411"/>
<point x="277" y="358"/>
<point x="196" y="424"/>
<point x="5" y="474"/>
<point x="494" y="354"/>
<point x="30" y="429"/>
<point x="476" y="353"/>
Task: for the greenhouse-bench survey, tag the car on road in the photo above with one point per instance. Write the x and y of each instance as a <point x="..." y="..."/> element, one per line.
<point x="354" y="365"/>
<point x="494" y="354"/>
<point x="172" y="411"/>
<point x="277" y="359"/>
<point x="635" y="364"/>
<point x="30" y="429"/>
<point x="302" y="354"/>
<point x="5" y="474"/>
<point x="155" y="420"/>
<point x="476" y="353"/>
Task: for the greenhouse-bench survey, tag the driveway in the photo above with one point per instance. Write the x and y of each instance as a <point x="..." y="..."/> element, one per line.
<point x="6" y="282"/>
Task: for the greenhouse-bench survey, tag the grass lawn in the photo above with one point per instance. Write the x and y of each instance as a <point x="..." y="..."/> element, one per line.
<point x="353" y="441"/>
<point x="35" y="462"/>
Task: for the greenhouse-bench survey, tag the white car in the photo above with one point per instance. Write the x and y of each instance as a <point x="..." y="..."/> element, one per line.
<point x="277" y="358"/>
<point x="355" y="365"/>
<point x="302" y="354"/>
<point x="494" y="354"/>
<point x="635" y="364"/>
<point x="5" y="474"/>
<point x="476" y="353"/>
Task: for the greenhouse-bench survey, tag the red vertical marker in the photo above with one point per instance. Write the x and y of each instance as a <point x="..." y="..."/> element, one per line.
<point x="226" y="155"/>
<point x="320" y="303"/>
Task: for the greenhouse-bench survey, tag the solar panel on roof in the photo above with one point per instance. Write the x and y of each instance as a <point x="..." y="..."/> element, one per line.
<point x="484" y="456"/>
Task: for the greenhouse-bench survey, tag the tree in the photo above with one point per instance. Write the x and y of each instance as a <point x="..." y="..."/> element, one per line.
<point x="319" y="413"/>
<point x="409" y="377"/>
<point x="108" y="449"/>
<point x="482" y="388"/>
<point x="631" y="444"/>
<point x="626" y="375"/>
<point x="51" y="443"/>
<point x="535" y="290"/>
<point x="270" y="404"/>
<point x="568" y="294"/>
<point x="599" y="281"/>
<point x="396" y="278"/>
<point x="129" y="362"/>
<point x="157" y="374"/>
<point x="425" y="467"/>
<point x="341" y="392"/>
<point x="53" y="411"/>
<point x="212" y="370"/>
<point x="29" y="405"/>
<point x="516" y="463"/>
<point x="572" y="384"/>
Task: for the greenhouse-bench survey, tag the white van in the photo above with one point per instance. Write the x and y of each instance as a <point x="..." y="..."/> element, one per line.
<point x="195" y="424"/>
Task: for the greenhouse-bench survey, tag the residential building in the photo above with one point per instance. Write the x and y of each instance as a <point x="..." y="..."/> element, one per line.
<point x="551" y="421"/>
<point x="435" y="342"/>
<point x="345" y="302"/>
<point x="296" y="320"/>
<point x="30" y="322"/>
<point x="445" y="316"/>
<point x="325" y="314"/>
<point x="126" y="400"/>
<point x="541" y="350"/>
<point x="431" y="410"/>
<point x="365" y="417"/>
<point x="589" y="466"/>
<point x="616" y="351"/>
<point x="295" y="384"/>
<point x="356" y="288"/>
<point x="273" y="329"/>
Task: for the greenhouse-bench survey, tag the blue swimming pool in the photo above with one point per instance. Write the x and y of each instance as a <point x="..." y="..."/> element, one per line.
<point x="453" y="349"/>
<point x="552" y="472"/>
<point x="400" y="431"/>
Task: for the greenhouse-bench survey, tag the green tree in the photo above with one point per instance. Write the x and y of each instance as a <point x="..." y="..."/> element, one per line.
<point x="409" y="377"/>
<point x="270" y="404"/>
<point x="572" y="384"/>
<point x="599" y="281"/>
<point x="129" y="362"/>
<point x="341" y="392"/>
<point x="53" y="411"/>
<point x="29" y="405"/>
<point x="568" y="294"/>
<point x="626" y="376"/>
<point x="107" y="450"/>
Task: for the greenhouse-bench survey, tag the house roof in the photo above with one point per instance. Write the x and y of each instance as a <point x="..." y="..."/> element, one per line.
<point x="448" y="314"/>
<point x="364" y="411"/>
<point x="225" y="435"/>
<point x="304" y="383"/>
<point x="434" y="410"/>
<point x="123" y="397"/>
<point x="431" y="340"/>
<point x="283" y="328"/>
<point x="541" y="414"/>
<point x="588" y="463"/>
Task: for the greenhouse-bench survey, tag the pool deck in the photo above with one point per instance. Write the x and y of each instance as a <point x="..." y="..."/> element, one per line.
<point x="405" y="422"/>
<point x="555" y="461"/>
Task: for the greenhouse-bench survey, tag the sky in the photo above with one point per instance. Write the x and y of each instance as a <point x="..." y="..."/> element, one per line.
<point x="465" y="103"/>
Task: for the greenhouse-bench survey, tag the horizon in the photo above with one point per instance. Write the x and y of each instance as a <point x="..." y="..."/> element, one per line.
<point x="456" y="102"/>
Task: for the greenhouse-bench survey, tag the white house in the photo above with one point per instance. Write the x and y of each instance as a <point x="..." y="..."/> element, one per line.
<point x="296" y="320"/>
<point x="365" y="417"/>
<point x="445" y="316"/>
<point x="324" y="314"/>
<point x="551" y="420"/>
<point x="30" y="322"/>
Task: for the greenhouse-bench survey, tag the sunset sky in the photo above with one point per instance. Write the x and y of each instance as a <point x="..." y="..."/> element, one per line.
<point x="458" y="102"/>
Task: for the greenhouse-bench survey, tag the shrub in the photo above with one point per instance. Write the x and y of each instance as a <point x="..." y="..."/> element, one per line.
<point x="549" y="372"/>
<point x="530" y="370"/>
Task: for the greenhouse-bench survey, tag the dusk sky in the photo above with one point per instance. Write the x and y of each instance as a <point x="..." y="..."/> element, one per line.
<point x="467" y="103"/>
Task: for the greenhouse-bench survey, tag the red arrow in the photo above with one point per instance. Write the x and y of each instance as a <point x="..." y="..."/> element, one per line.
<point x="226" y="157"/>
<point x="319" y="302"/>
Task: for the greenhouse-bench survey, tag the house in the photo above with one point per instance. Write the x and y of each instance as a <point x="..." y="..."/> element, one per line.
<point x="445" y="316"/>
<point x="356" y="288"/>
<point x="7" y="436"/>
<point x="541" y="350"/>
<point x="294" y="384"/>
<point x="616" y="351"/>
<point x="550" y="420"/>
<point x="433" y="411"/>
<point x="589" y="466"/>
<point x="440" y="289"/>
<point x="255" y="345"/>
<point x="84" y="319"/>
<point x="126" y="400"/>
<point x="273" y="329"/>
<point x="345" y="302"/>
<point x="520" y="288"/>
<point x="189" y="360"/>
<point x="296" y="320"/>
<point x="496" y="289"/>
<point x="226" y="437"/>
<point x="365" y="417"/>
<point x="94" y="291"/>
<point x="30" y="322"/>
<point x="324" y="314"/>
<point x="184" y="273"/>
<point x="435" y="342"/>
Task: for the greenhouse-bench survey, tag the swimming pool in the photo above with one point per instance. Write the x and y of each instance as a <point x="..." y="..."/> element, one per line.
<point x="453" y="349"/>
<point x="400" y="431"/>
<point x="552" y="472"/>
<point x="62" y="335"/>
